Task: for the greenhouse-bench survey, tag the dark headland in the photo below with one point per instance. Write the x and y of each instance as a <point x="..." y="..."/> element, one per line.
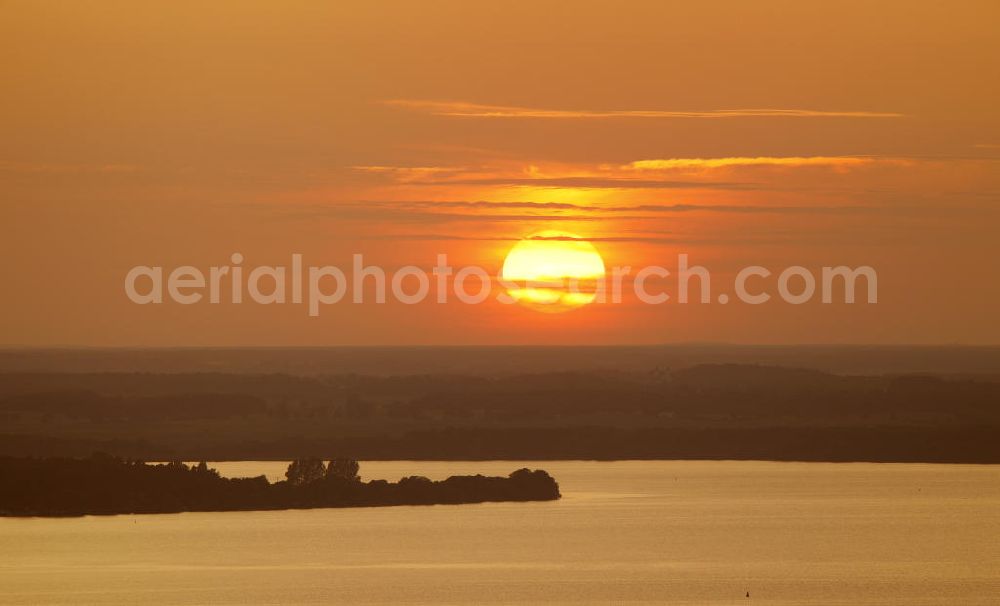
<point x="107" y="485"/>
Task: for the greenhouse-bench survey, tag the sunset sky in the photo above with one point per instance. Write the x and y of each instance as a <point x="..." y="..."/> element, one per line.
<point x="772" y="133"/>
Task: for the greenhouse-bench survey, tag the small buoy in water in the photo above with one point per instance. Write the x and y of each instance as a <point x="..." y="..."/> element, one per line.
<point x="748" y="594"/>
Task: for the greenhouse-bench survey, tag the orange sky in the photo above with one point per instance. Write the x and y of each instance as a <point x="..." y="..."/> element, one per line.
<point x="773" y="133"/>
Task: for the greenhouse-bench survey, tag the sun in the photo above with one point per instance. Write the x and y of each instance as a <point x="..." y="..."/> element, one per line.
<point x="553" y="271"/>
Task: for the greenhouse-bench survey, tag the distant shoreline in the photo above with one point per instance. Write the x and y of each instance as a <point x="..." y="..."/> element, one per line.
<point x="585" y="460"/>
<point x="724" y="411"/>
<point x="498" y="360"/>
<point x="956" y="445"/>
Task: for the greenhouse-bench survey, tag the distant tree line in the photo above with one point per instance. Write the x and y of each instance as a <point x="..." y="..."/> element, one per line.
<point x="103" y="484"/>
<point x="718" y="411"/>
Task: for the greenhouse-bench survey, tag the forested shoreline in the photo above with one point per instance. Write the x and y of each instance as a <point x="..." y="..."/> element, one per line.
<point x="719" y="411"/>
<point x="104" y="485"/>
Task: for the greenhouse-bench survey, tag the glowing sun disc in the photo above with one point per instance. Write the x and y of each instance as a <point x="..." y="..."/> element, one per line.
<point x="553" y="271"/>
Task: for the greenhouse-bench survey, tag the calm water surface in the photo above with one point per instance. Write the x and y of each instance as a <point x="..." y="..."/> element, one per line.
<point x="624" y="532"/>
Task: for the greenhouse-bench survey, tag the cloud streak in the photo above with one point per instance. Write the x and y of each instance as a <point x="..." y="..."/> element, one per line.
<point x="588" y="182"/>
<point x="479" y="205"/>
<point x="395" y="213"/>
<point x="486" y="212"/>
<point x="463" y="109"/>
<point x="408" y="173"/>
<point x="639" y="174"/>
<point x="462" y="238"/>
<point x="783" y="161"/>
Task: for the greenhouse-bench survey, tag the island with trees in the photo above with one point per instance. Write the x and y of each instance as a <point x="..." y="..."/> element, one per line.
<point x="106" y="485"/>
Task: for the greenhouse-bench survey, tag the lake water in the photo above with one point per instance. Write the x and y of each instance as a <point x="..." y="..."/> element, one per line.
<point x="624" y="532"/>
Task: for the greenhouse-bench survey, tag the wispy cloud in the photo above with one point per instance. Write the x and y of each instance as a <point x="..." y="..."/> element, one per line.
<point x="485" y="212"/>
<point x="487" y="238"/>
<point x="531" y="176"/>
<point x="413" y="173"/>
<point x="479" y="110"/>
<point x="401" y="213"/>
<point x="548" y="207"/>
<point x="782" y="161"/>
<point x="656" y="238"/>
<point x="589" y="182"/>
<point x="639" y="174"/>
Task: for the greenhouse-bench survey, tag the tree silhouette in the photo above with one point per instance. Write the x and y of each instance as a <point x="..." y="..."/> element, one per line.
<point x="305" y="471"/>
<point x="346" y="469"/>
<point x="203" y="468"/>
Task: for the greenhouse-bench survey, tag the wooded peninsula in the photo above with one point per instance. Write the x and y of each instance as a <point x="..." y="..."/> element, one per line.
<point x="105" y="485"/>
